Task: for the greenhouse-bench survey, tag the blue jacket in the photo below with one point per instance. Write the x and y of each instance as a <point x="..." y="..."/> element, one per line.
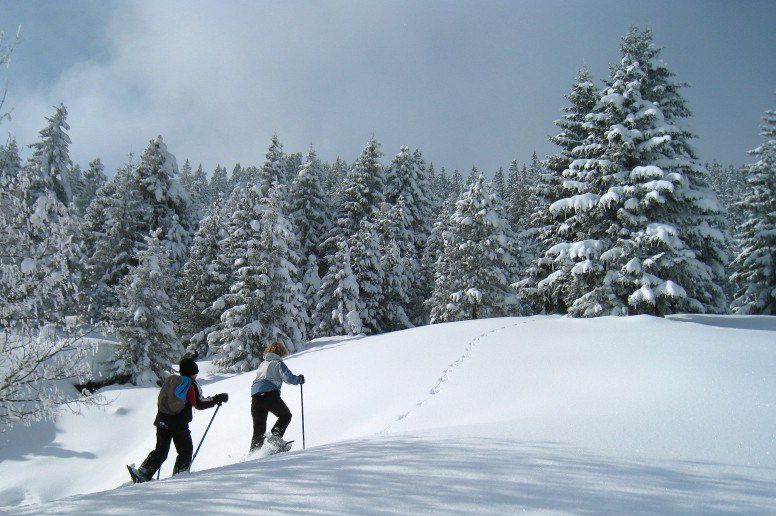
<point x="271" y="374"/>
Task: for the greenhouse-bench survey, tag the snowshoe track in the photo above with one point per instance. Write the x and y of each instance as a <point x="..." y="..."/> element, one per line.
<point x="470" y="346"/>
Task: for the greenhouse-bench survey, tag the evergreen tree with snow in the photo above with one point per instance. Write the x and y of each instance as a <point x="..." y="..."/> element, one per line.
<point x="498" y="185"/>
<point x="113" y="225"/>
<point x="365" y="254"/>
<point x="456" y="188"/>
<point x="361" y="195"/>
<point x="51" y="156"/>
<point x="476" y="267"/>
<point x="204" y="280"/>
<point x="755" y="265"/>
<point x="147" y="344"/>
<point x="264" y="302"/>
<point x="184" y="176"/>
<point x="291" y="165"/>
<point x="308" y="214"/>
<point x="10" y="161"/>
<point x="400" y="297"/>
<point x="339" y="305"/>
<point x="220" y="186"/>
<point x="550" y="226"/>
<point x="199" y="193"/>
<point x="273" y="171"/>
<point x="93" y="179"/>
<point x="641" y="225"/>
<point x="407" y="184"/>
<point x="166" y="203"/>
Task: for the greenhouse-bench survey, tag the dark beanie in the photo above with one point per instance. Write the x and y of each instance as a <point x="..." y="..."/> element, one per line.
<point x="188" y="367"/>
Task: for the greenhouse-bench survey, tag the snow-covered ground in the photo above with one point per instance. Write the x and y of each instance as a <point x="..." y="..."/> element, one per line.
<point x="617" y="415"/>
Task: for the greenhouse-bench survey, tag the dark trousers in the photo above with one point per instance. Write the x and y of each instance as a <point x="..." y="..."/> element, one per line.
<point x="183" y="445"/>
<point x="261" y="405"/>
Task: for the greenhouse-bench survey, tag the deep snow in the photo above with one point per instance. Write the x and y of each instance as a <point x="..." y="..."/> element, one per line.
<point x="634" y="414"/>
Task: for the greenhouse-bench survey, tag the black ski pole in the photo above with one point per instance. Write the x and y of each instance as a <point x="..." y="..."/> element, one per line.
<point x="204" y="435"/>
<point x="301" y="396"/>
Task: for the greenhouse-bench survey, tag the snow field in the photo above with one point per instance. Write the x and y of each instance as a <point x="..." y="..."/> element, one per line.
<point x="491" y="416"/>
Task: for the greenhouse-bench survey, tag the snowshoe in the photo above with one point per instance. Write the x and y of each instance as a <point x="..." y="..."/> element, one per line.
<point x="137" y="477"/>
<point x="277" y="445"/>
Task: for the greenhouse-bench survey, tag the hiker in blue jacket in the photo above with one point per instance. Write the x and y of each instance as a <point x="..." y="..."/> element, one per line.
<point x="265" y="396"/>
<point x="179" y="394"/>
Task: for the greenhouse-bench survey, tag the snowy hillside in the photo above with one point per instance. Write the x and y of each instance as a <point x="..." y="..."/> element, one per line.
<point x="615" y="415"/>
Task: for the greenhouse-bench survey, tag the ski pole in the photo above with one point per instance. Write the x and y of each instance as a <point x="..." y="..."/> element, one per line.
<point x="301" y="396"/>
<point x="204" y="435"/>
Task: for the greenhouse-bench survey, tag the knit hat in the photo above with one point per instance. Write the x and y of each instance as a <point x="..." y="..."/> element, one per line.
<point x="188" y="367"/>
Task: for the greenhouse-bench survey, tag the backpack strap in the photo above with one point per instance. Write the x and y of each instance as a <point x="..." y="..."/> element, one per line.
<point x="183" y="388"/>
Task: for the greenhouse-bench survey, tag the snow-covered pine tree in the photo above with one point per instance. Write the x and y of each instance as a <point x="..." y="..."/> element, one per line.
<point x="755" y="266"/>
<point x="166" y="203"/>
<point x="499" y="185"/>
<point x="308" y="214"/>
<point x="400" y="269"/>
<point x="474" y="173"/>
<point x="456" y="188"/>
<point x="143" y="321"/>
<point x="361" y="195"/>
<point x="204" y="280"/>
<point x="265" y="300"/>
<point x="273" y="171"/>
<point x="333" y="182"/>
<point x="365" y="253"/>
<point x="675" y="252"/>
<point x="93" y="179"/>
<point x="184" y="176"/>
<point x="220" y="186"/>
<point x="550" y="225"/>
<point x="339" y="305"/>
<point x="10" y="161"/>
<point x="407" y="183"/>
<point x="51" y="155"/>
<point x="291" y="165"/>
<point x="113" y="225"/>
<point x="236" y="343"/>
<point x="432" y="270"/>
<point x="477" y="265"/>
<point x="38" y="289"/>
<point x="200" y="194"/>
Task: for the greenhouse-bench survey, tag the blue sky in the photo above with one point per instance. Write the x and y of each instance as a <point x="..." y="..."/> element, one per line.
<point x="467" y="82"/>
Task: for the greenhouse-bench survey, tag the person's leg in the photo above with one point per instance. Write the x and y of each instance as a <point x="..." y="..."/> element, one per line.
<point x="158" y="455"/>
<point x="259" y="415"/>
<point x="185" y="448"/>
<point x="278" y="407"/>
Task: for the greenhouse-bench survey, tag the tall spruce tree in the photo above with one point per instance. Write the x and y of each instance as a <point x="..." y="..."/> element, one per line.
<point x="755" y="266"/>
<point x="476" y="267"/>
<point x="143" y="321"/>
<point x="339" y="303"/>
<point x="274" y="170"/>
<point x="166" y="204"/>
<point x="308" y="213"/>
<point x="93" y="179"/>
<point x="204" y="280"/>
<point x="10" y="161"/>
<point x="51" y="155"/>
<point x="550" y="225"/>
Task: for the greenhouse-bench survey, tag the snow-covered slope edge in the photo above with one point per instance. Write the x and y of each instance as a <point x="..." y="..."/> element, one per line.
<point x="610" y="395"/>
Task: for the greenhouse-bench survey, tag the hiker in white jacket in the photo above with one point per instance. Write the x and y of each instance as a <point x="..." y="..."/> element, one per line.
<point x="265" y="395"/>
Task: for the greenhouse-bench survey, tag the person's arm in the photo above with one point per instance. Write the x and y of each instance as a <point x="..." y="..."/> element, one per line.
<point x="199" y="402"/>
<point x="288" y="376"/>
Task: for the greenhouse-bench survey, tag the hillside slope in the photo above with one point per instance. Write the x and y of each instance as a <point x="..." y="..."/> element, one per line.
<point x="539" y="413"/>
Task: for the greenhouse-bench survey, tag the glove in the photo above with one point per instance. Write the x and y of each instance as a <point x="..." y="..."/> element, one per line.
<point x="221" y="398"/>
<point x="301" y="379"/>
